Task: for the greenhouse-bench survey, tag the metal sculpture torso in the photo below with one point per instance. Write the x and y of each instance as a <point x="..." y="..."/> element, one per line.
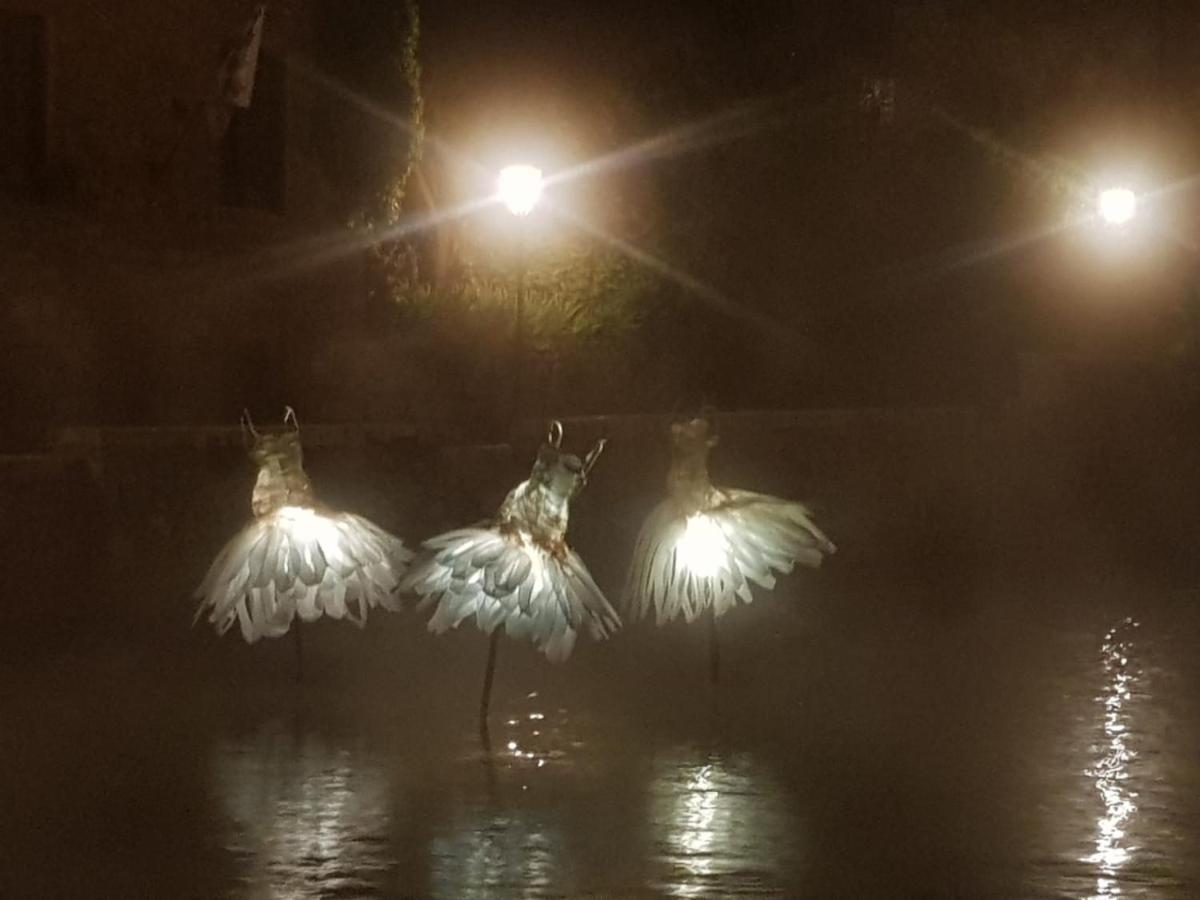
<point x="297" y="558"/>
<point x="702" y="546"/>
<point x="516" y="571"/>
<point x="540" y="506"/>
<point x="281" y="477"/>
<point x="688" y="484"/>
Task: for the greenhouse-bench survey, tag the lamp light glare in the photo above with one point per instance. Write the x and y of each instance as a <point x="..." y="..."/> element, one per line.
<point x="519" y="188"/>
<point x="1117" y="206"/>
<point x="702" y="547"/>
<point x="308" y="526"/>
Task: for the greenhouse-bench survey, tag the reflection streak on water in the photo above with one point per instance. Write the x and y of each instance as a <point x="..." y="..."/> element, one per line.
<point x="536" y="738"/>
<point x="310" y="818"/>
<point x="1110" y="772"/>
<point x="507" y="843"/>
<point x="490" y="852"/>
<point x="720" y="825"/>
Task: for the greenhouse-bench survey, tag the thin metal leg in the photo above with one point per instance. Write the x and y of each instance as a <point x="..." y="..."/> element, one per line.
<point x="299" y="643"/>
<point x="486" y="700"/>
<point x="714" y="649"/>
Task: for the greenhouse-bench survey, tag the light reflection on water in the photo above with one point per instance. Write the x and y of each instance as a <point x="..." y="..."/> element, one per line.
<point x="309" y="816"/>
<point x="1116" y="789"/>
<point x="1111" y="772"/>
<point x="535" y="734"/>
<point x="502" y="832"/>
<point x="498" y="850"/>
<point x="720" y="824"/>
<point x="1102" y="794"/>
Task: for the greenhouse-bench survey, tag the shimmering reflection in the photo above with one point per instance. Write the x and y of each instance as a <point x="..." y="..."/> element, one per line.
<point x="310" y="817"/>
<point x="498" y="850"/>
<point x="1110" y="773"/>
<point x="721" y="827"/>
<point x="535" y="735"/>
<point x="505" y="836"/>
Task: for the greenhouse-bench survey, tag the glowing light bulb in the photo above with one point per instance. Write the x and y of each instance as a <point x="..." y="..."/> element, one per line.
<point x="702" y="547"/>
<point x="308" y="525"/>
<point x="1117" y="206"/>
<point x="520" y="188"/>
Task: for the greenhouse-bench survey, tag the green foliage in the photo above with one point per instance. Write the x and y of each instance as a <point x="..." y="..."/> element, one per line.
<point x="372" y="126"/>
<point x="403" y="72"/>
<point x="373" y="133"/>
<point x="572" y="296"/>
<point x="372" y="123"/>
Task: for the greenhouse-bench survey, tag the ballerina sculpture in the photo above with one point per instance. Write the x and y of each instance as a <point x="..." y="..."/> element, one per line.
<point x="515" y="573"/>
<point x="297" y="557"/>
<point x="700" y="548"/>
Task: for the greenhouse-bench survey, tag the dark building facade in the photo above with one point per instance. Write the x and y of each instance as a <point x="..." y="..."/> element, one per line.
<point x="156" y="262"/>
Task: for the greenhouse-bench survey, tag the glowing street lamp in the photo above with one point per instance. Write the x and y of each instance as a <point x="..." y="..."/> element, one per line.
<point x="519" y="187"/>
<point x="1116" y="206"/>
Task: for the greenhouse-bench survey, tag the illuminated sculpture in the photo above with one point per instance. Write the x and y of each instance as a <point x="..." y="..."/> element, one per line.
<point x="297" y="557"/>
<point x="702" y="546"/>
<point x="515" y="572"/>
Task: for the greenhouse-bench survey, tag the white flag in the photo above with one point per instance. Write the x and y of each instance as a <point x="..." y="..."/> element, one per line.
<point x="236" y="79"/>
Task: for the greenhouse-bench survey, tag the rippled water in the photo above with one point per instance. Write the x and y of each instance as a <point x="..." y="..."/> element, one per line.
<point x="1124" y="765"/>
<point x="1012" y="752"/>
<point x="309" y="816"/>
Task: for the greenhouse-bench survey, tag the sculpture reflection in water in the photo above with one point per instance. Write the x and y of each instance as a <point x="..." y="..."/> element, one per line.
<point x="499" y="850"/>
<point x="297" y="557"/>
<point x="721" y="827"/>
<point x="519" y="835"/>
<point x="309" y="817"/>
<point x="700" y="549"/>
<point x="1111" y="771"/>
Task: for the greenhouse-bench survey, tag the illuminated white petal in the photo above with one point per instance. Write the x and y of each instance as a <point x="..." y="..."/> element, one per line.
<point x="298" y="561"/>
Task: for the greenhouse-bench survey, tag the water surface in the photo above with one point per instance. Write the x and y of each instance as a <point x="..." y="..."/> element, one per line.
<point x="1021" y="746"/>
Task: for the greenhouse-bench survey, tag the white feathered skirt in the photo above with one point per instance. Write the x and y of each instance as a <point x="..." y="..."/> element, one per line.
<point x="684" y="565"/>
<point x="301" y="562"/>
<point x="506" y="580"/>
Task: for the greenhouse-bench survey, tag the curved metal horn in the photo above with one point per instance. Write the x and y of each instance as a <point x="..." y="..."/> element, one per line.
<point x="593" y="455"/>
<point x="250" y="434"/>
<point x="708" y="412"/>
<point x="555" y="435"/>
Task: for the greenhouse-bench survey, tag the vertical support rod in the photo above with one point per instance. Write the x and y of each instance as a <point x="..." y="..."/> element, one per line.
<point x="518" y="349"/>
<point x="714" y="649"/>
<point x="485" y="700"/>
<point x="299" y="643"/>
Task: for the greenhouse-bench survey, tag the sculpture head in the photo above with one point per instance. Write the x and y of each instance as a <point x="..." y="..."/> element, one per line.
<point x="563" y="474"/>
<point x="280" y="448"/>
<point x="693" y="438"/>
<point x="687" y="479"/>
